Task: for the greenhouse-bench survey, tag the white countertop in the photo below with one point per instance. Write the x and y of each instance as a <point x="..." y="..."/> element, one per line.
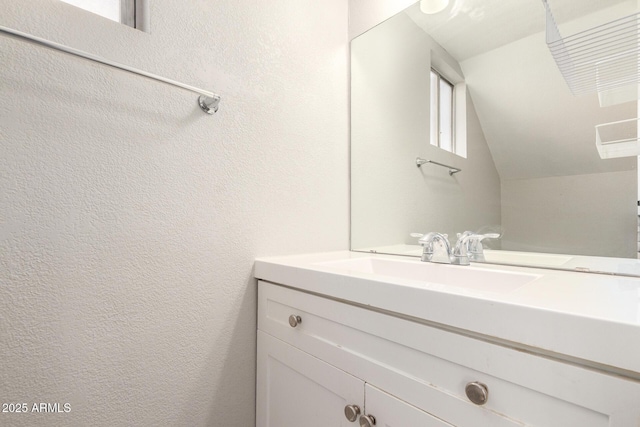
<point x="591" y="317"/>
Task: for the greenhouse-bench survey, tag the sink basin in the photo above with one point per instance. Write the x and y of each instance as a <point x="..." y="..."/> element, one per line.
<point x="479" y="279"/>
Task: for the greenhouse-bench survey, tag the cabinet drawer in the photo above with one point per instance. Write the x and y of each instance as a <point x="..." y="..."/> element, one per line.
<point x="430" y="367"/>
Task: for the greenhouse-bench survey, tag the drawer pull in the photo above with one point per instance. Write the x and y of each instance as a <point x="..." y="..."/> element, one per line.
<point x="477" y="392"/>
<point x="294" y="320"/>
<point x="367" y="421"/>
<point x="351" y="412"/>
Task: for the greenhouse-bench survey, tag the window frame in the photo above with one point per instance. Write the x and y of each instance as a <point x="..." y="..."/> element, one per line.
<point x="438" y="120"/>
<point x="128" y="10"/>
<point x="133" y="13"/>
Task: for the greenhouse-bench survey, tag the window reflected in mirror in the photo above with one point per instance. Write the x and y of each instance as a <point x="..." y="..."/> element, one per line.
<point x="442" y="113"/>
<point x="122" y="11"/>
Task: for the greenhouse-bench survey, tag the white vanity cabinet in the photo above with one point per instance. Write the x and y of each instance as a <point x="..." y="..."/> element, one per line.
<point x="297" y="389"/>
<point x="404" y="372"/>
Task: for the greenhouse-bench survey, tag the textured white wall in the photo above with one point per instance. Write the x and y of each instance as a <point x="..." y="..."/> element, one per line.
<point x="391" y="197"/>
<point x="592" y="214"/>
<point x="129" y="219"/>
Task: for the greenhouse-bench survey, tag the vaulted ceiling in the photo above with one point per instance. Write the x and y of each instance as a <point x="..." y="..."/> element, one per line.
<point x="534" y="126"/>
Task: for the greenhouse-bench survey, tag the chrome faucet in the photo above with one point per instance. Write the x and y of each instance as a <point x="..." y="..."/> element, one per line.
<point x="435" y="248"/>
<point x="475" y="248"/>
<point x="469" y="247"/>
<point x="460" y="254"/>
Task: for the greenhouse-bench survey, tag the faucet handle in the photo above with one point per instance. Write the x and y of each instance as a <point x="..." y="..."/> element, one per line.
<point x="462" y="248"/>
<point x="475" y="239"/>
<point x="470" y="236"/>
<point x="466" y="234"/>
<point x="492" y="236"/>
<point x="419" y="235"/>
<point x="475" y="249"/>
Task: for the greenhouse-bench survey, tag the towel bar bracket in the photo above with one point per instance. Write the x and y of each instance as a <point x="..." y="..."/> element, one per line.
<point x="209" y="104"/>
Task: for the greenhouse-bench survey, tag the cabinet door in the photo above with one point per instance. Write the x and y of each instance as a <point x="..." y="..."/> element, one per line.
<point x="296" y="389"/>
<point x="392" y="412"/>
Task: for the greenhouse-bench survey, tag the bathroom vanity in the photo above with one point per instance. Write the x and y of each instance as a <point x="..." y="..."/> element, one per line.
<point x="349" y="338"/>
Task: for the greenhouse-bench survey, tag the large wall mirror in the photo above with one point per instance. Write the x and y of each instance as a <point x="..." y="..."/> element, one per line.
<point x="474" y="93"/>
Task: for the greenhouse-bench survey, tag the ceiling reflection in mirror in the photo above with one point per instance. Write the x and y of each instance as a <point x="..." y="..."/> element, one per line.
<point x="525" y="164"/>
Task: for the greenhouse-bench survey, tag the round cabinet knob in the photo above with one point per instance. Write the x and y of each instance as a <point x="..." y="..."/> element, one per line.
<point x="477" y="392"/>
<point x="294" y="320"/>
<point x="351" y="412"/>
<point x="367" y="421"/>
